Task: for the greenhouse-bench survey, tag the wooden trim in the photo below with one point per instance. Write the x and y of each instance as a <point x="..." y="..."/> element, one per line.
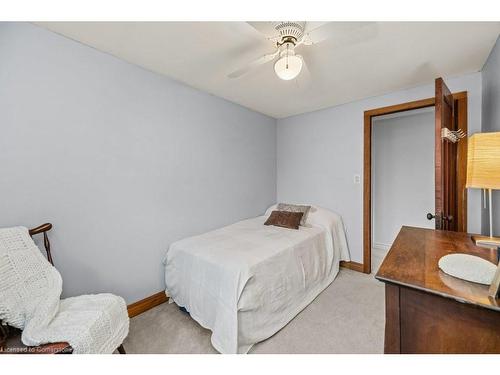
<point x="423" y="103"/>
<point x="461" y="108"/>
<point x="459" y="95"/>
<point x="442" y="107"/>
<point x="352" y="266"/>
<point x="145" y="304"/>
<point x="367" y="192"/>
<point x="367" y="164"/>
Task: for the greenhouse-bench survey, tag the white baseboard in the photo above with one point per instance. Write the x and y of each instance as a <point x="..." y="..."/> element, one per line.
<point x="381" y="246"/>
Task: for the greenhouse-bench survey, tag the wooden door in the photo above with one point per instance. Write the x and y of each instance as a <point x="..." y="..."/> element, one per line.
<point x="446" y="196"/>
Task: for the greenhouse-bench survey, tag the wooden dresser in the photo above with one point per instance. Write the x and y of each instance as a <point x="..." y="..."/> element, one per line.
<point x="428" y="311"/>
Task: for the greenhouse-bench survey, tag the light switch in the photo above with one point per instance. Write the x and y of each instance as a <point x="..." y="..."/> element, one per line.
<point x="357" y="179"/>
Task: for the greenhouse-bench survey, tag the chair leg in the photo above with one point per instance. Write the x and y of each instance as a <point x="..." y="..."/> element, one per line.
<point x="4" y="333"/>
<point x="121" y="349"/>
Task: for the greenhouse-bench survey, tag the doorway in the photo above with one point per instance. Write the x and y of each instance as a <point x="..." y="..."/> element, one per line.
<point x="402" y="162"/>
<point x="460" y="118"/>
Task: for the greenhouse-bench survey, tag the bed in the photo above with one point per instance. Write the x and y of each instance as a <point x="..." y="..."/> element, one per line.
<point x="246" y="281"/>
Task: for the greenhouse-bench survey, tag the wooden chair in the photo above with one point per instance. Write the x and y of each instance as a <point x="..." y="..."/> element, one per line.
<point x="10" y="337"/>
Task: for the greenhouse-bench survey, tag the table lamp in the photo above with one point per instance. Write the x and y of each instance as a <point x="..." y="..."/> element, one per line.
<point x="483" y="172"/>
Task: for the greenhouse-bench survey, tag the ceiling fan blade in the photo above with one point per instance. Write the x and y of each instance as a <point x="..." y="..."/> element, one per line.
<point x="266" y="28"/>
<point x="341" y="32"/>
<point x="254" y="64"/>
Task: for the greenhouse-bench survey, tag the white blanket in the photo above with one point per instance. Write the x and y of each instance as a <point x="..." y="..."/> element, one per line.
<point x="246" y="281"/>
<point x="30" y="288"/>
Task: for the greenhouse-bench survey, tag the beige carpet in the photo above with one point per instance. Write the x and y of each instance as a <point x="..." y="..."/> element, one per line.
<point x="348" y="317"/>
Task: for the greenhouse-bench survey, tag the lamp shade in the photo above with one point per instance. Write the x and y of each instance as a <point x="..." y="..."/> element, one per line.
<point x="483" y="161"/>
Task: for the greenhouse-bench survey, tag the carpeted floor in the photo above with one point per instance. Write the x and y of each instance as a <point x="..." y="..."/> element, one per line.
<point x="347" y="317"/>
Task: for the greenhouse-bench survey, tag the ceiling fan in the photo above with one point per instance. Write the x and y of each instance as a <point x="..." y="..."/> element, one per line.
<point x="288" y="35"/>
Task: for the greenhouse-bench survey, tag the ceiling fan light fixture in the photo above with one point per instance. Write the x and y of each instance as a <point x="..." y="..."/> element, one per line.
<point x="288" y="67"/>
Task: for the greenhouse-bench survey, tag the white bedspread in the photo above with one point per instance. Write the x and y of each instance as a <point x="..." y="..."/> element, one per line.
<point x="246" y="281"/>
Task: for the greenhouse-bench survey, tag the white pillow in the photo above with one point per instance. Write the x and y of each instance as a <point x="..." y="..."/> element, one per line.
<point x="271" y="209"/>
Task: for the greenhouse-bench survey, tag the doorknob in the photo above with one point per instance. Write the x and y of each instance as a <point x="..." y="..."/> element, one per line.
<point x="444" y="217"/>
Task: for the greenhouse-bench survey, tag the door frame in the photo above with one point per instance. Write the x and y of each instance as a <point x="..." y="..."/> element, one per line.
<point x="461" y="113"/>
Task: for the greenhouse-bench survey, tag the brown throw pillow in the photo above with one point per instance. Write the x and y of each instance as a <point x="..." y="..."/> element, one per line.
<point x="295" y="208"/>
<point x="284" y="219"/>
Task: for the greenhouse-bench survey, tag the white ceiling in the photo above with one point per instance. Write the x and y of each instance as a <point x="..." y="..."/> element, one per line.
<point x="360" y="61"/>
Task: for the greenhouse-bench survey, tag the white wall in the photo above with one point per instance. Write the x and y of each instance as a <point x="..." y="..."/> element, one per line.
<point x="402" y="173"/>
<point x="491" y="123"/>
<point x="319" y="153"/>
<point x="122" y="161"/>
